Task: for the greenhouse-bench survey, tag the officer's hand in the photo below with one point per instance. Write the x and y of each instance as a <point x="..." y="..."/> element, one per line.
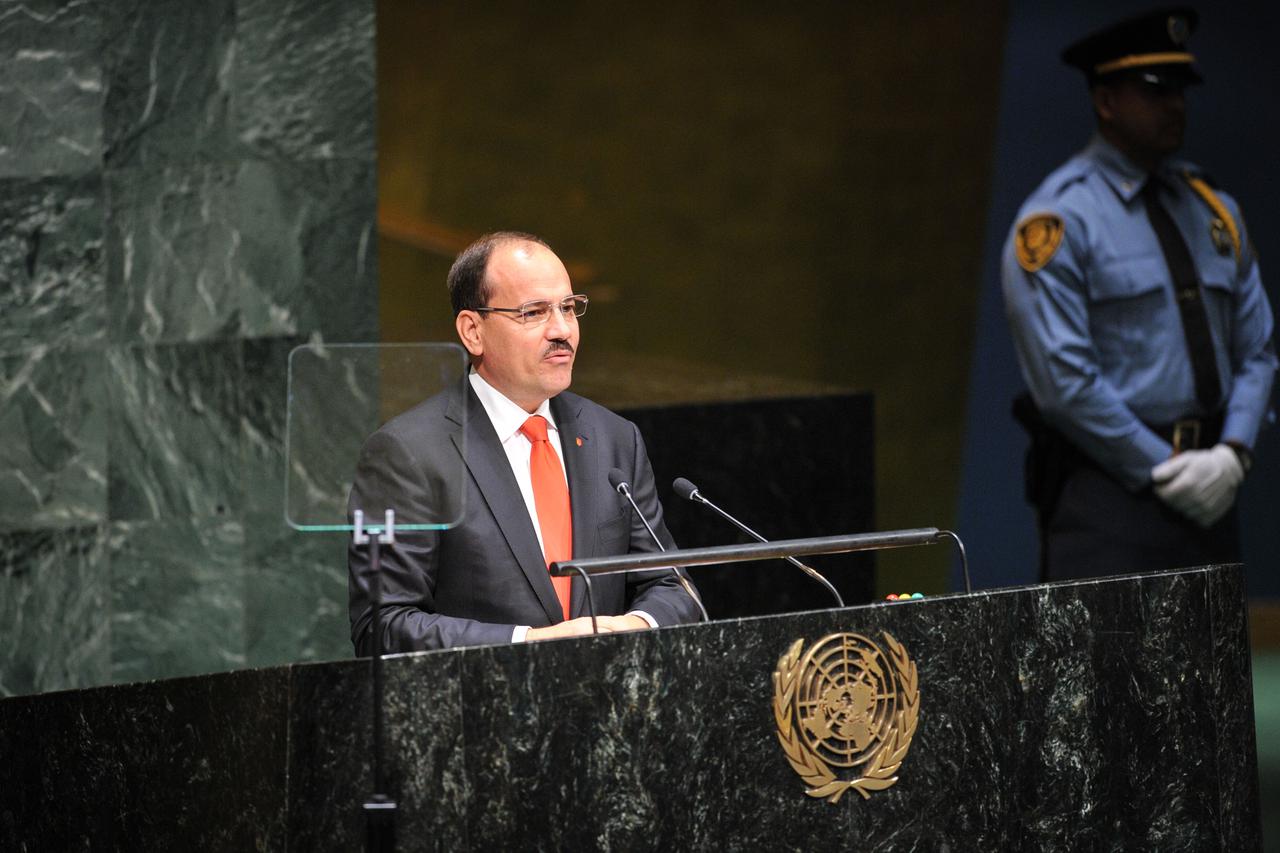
<point x="1200" y="484"/>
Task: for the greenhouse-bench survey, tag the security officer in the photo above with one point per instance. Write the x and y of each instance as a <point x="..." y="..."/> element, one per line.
<point x="1141" y="325"/>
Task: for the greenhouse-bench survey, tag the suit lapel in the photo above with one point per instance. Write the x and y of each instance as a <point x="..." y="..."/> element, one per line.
<point x="581" y="464"/>
<point x="487" y="462"/>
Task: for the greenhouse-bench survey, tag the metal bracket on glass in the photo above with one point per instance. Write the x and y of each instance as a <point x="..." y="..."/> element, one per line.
<point x="386" y="533"/>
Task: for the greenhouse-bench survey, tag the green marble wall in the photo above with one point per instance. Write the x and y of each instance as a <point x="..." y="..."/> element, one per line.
<point x="187" y="190"/>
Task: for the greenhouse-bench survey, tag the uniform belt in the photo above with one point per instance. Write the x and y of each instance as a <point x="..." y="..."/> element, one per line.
<point x="1191" y="433"/>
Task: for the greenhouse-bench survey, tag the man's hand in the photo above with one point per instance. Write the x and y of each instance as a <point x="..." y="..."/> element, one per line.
<point x="582" y="625"/>
<point x="1200" y="484"/>
<point x="614" y="624"/>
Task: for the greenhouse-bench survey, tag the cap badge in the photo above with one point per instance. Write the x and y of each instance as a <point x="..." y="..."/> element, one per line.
<point x="1178" y="29"/>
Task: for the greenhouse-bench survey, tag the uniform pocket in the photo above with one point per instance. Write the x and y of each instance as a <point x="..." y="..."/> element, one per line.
<point x="1128" y="278"/>
<point x="1129" y="304"/>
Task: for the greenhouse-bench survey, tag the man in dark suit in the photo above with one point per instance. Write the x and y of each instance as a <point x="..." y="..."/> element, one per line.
<point x="526" y="438"/>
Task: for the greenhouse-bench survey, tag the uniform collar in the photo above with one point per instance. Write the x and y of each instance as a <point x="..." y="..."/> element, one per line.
<point x="1125" y="178"/>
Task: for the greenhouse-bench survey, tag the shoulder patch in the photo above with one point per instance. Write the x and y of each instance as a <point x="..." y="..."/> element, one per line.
<point x="1037" y="237"/>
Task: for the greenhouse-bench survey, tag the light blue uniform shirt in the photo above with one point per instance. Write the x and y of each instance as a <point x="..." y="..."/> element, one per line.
<point x="1097" y="329"/>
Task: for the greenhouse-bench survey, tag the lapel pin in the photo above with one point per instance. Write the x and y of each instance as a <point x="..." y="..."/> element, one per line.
<point x="579" y="440"/>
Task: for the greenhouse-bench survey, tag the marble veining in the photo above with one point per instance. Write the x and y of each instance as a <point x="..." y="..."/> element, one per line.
<point x="303" y="75"/>
<point x="177" y="597"/>
<point x="51" y="263"/>
<point x="295" y="583"/>
<point x="168" y="90"/>
<point x="295" y="606"/>
<point x="51" y="91"/>
<point x="184" y="764"/>
<point x="54" y="610"/>
<point x="304" y="263"/>
<point x="173" y="254"/>
<point x="173" y="436"/>
<point x="1048" y="720"/>
<point x="187" y="189"/>
<point x="54" y="453"/>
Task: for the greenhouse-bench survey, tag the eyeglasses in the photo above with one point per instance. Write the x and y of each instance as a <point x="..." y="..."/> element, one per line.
<point x="538" y="311"/>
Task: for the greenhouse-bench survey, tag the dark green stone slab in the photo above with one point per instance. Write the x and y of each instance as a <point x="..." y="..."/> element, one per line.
<point x="295" y="596"/>
<point x="53" y="457"/>
<point x="174" y="431"/>
<point x="303" y="78"/>
<point x="51" y="91"/>
<point x="177" y="598"/>
<point x="306" y="249"/>
<point x="55" y="610"/>
<point x="1103" y="714"/>
<point x="296" y="605"/>
<point x="173" y="271"/>
<point x="167" y="89"/>
<point x="331" y="754"/>
<point x="184" y="764"/>
<point x="51" y="263"/>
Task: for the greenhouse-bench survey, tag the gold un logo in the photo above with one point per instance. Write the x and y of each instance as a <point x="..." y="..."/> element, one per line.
<point x="845" y="703"/>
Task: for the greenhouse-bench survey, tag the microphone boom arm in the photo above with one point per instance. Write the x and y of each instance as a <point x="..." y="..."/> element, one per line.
<point x="813" y="573"/>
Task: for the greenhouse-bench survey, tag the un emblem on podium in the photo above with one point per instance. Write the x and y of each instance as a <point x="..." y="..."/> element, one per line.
<point x="845" y="704"/>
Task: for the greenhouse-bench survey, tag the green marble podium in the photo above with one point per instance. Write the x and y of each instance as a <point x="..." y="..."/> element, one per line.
<point x="1102" y="714"/>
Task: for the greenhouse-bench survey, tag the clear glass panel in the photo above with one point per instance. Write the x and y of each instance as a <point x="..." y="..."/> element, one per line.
<point x="339" y="395"/>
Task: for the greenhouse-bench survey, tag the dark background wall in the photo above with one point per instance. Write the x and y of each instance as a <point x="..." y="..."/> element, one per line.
<point x="760" y="198"/>
<point x="1044" y="117"/>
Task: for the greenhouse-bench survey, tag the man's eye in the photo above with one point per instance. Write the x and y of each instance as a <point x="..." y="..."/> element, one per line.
<point x="535" y="313"/>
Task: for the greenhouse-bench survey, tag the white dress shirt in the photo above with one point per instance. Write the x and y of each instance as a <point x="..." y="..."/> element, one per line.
<point x="507" y="418"/>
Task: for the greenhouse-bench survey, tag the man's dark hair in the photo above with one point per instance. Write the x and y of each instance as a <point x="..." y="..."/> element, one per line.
<point x="468" y="287"/>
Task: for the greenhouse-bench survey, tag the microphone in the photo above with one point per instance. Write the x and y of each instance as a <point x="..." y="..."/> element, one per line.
<point x="618" y="480"/>
<point x="689" y="492"/>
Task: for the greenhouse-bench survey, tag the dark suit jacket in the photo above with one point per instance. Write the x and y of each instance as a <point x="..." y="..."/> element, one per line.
<point x="473" y="583"/>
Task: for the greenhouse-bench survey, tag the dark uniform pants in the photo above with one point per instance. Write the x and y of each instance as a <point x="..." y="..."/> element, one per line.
<point x="1101" y="528"/>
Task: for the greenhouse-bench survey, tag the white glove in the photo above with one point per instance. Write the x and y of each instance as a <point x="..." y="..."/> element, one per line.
<point x="1200" y="484"/>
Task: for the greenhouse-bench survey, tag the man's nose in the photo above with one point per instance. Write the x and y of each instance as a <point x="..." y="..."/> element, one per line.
<point x="558" y="325"/>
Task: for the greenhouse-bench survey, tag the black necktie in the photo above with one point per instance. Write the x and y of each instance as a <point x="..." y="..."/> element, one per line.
<point x="1190" y="299"/>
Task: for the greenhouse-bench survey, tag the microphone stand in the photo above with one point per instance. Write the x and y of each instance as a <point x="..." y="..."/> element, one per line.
<point x="625" y="490"/>
<point x="379" y="809"/>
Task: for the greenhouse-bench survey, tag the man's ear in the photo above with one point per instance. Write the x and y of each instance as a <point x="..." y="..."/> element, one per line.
<point x="1104" y="102"/>
<point x="468" y="325"/>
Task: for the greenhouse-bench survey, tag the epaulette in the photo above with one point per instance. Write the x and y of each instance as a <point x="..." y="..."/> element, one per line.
<point x="1224" y="221"/>
<point x="1185" y="167"/>
<point x="1072" y="172"/>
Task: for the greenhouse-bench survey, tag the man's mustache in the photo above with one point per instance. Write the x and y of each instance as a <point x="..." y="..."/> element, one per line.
<point x="556" y="346"/>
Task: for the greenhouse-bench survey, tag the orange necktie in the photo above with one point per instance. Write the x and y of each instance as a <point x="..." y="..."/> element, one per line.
<point x="551" y="499"/>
